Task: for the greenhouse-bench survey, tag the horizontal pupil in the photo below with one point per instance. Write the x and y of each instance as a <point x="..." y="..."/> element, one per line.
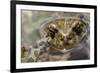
<point x="77" y="29"/>
<point x="53" y="32"/>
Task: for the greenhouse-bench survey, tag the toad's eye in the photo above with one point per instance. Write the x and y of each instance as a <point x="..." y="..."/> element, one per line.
<point x="51" y="32"/>
<point x="79" y="28"/>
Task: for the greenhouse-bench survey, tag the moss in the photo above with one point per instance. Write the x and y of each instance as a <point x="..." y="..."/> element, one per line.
<point x="30" y="60"/>
<point x="23" y="52"/>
